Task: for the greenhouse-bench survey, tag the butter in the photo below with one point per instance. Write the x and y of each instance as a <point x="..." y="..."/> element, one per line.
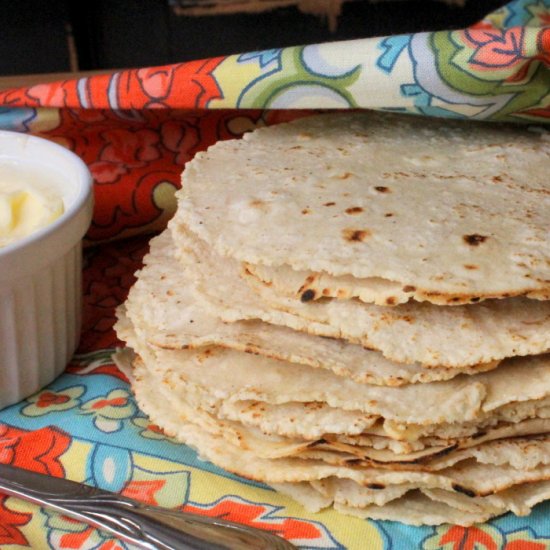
<point x="26" y="207"/>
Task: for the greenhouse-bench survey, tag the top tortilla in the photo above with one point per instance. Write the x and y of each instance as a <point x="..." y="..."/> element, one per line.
<point x="453" y="209"/>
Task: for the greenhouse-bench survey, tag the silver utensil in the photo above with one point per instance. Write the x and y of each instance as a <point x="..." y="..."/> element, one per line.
<point x="148" y="527"/>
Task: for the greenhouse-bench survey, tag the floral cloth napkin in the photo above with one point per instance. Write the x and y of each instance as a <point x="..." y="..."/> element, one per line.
<point x="136" y="129"/>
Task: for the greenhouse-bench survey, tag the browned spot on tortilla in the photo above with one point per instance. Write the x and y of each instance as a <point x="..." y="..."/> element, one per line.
<point x="309" y="280"/>
<point x="408" y="318"/>
<point x="382" y="189"/>
<point x="296" y="147"/>
<point x="388" y="214"/>
<point x="308" y="295"/>
<point x="471" y="266"/>
<point x="345" y="176"/>
<point x="409" y="288"/>
<point x="459" y="489"/>
<point x="390" y="300"/>
<point x="326" y="291"/>
<point x="306" y="211"/>
<point x="475" y="239"/>
<point x="475" y="299"/>
<point x="257" y="203"/>
<point x="313" y="405"/>
<point x="329" y="204"/>
<point x="356" y="235"/>
<point x="497" y="179"/>
<point x="354" y="210"/>
<point x="376" y="486"/>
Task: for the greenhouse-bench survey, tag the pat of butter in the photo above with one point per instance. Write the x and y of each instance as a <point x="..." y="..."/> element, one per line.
<point x="25" y="208"/>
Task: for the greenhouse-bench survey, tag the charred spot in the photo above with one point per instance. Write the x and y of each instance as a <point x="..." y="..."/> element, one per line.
<point x="471" y="266"/>
<point x="376" y="486"/>
<point x="382" y="189"/>
<point x="454" y="300"/>
<point x="474" y="239"/>
<point x="356" y="235"/>
<point x="475" y="299"/>
<point x="329" y="204"/>
<point x="479" y="434"/>
<point x="497" y="179"/>
<point x="409" y="288"/>
<point x="459" y="489"/>
<point x="388" y="214"/>
<point x="308" y="295"/>
<point x="317" y="442"/>
<point x="390" y="300"/>
<point x="444" y="452"/>
<point x="354" y="210"/>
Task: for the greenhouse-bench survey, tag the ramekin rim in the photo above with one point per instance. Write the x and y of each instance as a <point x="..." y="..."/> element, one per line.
<point x="84" y="195"/>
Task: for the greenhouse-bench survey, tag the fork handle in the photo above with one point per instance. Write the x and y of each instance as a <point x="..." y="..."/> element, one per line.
<point x="147" y="527"/>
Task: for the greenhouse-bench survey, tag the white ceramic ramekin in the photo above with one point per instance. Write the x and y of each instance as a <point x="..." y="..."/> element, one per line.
<point x="40" y="275"/>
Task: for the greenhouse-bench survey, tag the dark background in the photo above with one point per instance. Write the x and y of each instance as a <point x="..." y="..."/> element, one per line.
<point x="63" y="35"/>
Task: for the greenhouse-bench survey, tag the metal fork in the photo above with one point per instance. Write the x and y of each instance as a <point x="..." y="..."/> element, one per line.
<point x="148" y="527"/>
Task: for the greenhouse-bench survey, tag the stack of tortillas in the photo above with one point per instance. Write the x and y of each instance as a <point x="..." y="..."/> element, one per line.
<point x="355" y="309"/>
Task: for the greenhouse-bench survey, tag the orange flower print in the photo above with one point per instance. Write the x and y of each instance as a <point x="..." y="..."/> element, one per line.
<point x="38" y="450"/>
<point x="151" y="431"/>
<point x="496" y="48"/>
<point x="235" y="508"/>
<point x="110" y="411"/>
<point x="48" y="401"/>
<point x="144" y="491"/>
<point x="483" y="537"/>
<point x="10" y="522"/>
<point x="107" y="277"/>
<point x="124" y="149"/>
